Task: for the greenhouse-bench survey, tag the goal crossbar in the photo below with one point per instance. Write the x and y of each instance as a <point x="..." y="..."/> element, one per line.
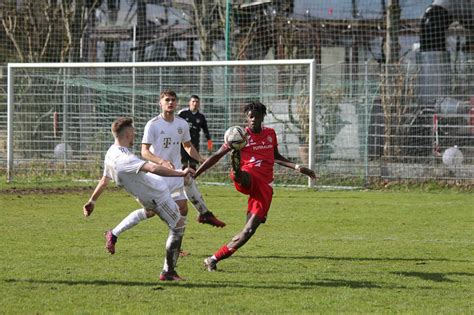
<point x="162" y="64"/>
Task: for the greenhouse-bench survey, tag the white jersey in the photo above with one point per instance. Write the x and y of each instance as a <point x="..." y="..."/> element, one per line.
<point x="165" y="139"/>
<point x="123" y="167"/>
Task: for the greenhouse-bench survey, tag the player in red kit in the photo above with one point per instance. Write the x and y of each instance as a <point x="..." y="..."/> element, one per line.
<point x="252" y="174"/>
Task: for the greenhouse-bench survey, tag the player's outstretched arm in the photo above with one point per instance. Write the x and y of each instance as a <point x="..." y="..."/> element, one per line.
<point x="212" y="160"/>
<point x="164" y="171"/>
<point x="90" y="205"/>
<point x="281" y="160"/>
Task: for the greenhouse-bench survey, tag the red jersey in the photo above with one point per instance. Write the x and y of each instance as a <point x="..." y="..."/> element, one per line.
<point x="258" y="157"/>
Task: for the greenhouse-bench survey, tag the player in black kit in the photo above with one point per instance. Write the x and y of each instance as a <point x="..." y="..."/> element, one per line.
<point x="197" y="122"/>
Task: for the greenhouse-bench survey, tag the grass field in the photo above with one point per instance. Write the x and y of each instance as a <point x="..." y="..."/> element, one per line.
<point x="319" y="252"/>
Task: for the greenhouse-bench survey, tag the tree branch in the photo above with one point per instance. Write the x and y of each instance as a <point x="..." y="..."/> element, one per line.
<point x="10" y="27"/>
<point x="48" y="34"/>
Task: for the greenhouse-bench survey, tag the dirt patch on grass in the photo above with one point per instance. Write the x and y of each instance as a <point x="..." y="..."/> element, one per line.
<point x="49" y="190"/>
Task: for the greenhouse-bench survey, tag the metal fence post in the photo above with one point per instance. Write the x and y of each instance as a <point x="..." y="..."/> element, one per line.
<point x="10" y="124"/>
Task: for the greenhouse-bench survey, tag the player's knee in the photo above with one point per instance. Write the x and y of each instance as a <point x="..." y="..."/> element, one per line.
<point x="246" y="180"/>
<point x="183" y="207"/>
<point x="237" y="175"/>
<point x="181" y="223"/>
<point x="243" y="178"/>
<point x="149" y="213"/>
<point x="183" y="210"/>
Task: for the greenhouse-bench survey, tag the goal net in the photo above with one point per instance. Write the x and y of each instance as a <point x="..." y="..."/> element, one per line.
<point x="59" y="114"/>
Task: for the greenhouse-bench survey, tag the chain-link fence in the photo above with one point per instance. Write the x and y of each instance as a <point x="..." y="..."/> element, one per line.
<point x="393" y="87"/>
<point x="61" y="115"/>
<point x="386" y="124"/>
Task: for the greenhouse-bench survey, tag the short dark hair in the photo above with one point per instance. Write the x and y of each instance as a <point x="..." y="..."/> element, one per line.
<point x="256" y="106"/>
<point x="194" y="96"/>
<point x="120" y="124"/>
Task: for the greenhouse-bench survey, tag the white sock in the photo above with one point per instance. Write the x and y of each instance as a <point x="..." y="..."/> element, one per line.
<point x="130" y="221"/>
<point x="192" y="194"/>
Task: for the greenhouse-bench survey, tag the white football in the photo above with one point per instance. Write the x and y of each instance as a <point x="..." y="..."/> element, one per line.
<point x="236" y="137"/>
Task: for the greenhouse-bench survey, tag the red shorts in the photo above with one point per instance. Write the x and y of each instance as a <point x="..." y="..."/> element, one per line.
<point x="260" y="196"/>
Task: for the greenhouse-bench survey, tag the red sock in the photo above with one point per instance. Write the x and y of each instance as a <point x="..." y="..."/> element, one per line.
<point x="224" y="252"/>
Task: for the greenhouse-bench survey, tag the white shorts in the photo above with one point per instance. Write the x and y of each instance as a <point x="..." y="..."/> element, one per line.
<point x="168" y="211"/>
<point x="176" y="187"/>
<point x="178" y="194"/>
<point x="174" y="184"/>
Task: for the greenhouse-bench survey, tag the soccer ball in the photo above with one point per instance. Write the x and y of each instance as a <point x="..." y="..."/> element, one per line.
<point x="236" y="137"/>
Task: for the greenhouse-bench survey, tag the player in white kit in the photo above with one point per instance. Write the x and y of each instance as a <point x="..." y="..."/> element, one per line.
<point x="161" y="144"/>
<point x="137" y="177"/>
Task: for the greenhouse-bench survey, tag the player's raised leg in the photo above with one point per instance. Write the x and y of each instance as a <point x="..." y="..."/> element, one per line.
<point x="239" y="176"/>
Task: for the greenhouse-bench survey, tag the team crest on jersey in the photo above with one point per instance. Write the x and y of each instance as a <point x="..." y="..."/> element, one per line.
<point x="270" y="139"/>
<point x="180" y="130"/>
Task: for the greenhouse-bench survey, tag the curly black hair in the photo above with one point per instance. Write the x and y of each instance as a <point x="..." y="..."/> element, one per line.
<point x="256" y="106"/>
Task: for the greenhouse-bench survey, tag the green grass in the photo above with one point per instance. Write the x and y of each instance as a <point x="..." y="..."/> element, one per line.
<point x="319" y="252"/>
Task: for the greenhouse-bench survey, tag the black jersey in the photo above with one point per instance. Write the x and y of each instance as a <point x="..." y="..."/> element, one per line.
<point x="196" y="122"/>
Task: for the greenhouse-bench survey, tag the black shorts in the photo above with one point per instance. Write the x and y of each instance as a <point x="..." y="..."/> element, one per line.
<point x="187" y="161"/>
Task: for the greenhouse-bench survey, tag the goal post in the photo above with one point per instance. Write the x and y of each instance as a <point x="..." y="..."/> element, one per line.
<point x="59" y="114"/>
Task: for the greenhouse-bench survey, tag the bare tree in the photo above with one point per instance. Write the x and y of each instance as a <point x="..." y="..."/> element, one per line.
<point x="209" y="19"/>
<point x="45" y="30"/>
<point x="391" y="97"/>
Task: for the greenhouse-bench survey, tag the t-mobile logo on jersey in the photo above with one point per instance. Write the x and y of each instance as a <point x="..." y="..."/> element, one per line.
<point x="166" y="142"/>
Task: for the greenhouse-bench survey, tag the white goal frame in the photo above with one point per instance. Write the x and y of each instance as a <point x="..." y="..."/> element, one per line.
<point x="14" y="66"/>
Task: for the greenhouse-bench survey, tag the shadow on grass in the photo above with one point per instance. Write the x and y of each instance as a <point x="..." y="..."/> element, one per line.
<point x="305" y="285"/>
<point x="353" y="258"/>
<point x="433" y="276"/>
<point x="85" y="282"/>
